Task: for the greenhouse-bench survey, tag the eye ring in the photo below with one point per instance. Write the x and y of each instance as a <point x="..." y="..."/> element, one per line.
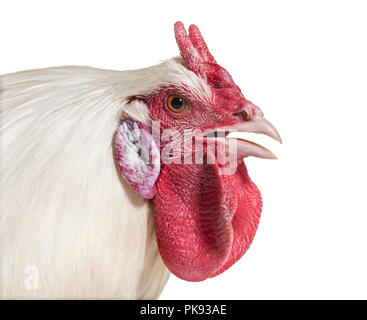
<point x="177" y="104"/>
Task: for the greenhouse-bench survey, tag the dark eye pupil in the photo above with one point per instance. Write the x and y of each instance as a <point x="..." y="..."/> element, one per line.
<point x="177" y="103"/>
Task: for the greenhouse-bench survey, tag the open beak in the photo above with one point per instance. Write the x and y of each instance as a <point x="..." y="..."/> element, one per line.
<point x="246" y="148"/>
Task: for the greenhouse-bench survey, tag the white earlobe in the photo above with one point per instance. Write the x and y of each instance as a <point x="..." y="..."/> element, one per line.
<point x="137" y="157"/>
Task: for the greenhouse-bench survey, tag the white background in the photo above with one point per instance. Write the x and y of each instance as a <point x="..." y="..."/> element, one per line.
<point x="304" y="63"/>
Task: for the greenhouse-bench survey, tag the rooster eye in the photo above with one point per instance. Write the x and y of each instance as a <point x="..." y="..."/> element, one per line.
<point x="176" y="104"/>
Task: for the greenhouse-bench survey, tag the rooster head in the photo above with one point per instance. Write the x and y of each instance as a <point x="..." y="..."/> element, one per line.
<point x="206" y="208"/>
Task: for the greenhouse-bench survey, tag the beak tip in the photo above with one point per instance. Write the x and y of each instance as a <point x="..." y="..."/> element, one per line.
<point x="276" y="136"/>
<point x="273" y="157"/>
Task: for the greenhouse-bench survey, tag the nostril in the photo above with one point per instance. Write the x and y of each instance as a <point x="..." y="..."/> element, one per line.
<point x="241" y="116"/>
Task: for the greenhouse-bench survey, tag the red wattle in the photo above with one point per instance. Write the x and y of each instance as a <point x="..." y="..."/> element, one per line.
<point x="204" y="221"/>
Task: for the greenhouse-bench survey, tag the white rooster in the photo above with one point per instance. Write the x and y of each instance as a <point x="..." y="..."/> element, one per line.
<point x="75" y="219"/>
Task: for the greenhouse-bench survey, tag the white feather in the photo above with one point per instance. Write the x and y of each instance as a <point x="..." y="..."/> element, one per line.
<point x="64" y="209"/>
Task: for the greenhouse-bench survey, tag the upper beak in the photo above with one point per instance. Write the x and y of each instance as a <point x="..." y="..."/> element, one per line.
<point x="247" y="148"/>
<point x="258" y="125"/>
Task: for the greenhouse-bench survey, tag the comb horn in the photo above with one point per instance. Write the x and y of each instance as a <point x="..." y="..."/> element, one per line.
<point x="188" y="52"/>
<point x="198" y="59"/>
<point x="198" y="42"/>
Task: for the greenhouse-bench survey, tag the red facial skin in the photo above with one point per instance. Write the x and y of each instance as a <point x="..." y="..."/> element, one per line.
<point x="204" y="221"/>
